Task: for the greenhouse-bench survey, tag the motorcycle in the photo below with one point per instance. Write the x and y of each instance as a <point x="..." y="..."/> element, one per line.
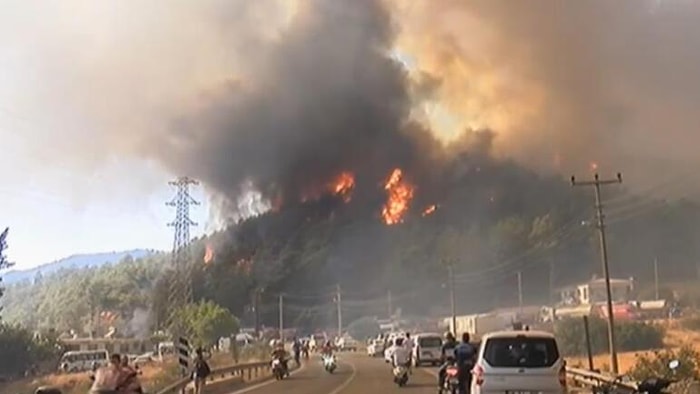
<point x="451" y="384"/>
<point x="329" y="363"/>
<point x="400" y="375"/>
<point x="658" y="385"/>
<point x="278" y="370"/>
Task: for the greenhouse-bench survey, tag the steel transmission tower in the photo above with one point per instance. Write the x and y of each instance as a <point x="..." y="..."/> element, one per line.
<point x="180" y="281"/>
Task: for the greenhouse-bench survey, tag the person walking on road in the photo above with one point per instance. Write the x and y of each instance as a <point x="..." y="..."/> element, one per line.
<point x="201" y="371"/>
<point x="107" y="378"/>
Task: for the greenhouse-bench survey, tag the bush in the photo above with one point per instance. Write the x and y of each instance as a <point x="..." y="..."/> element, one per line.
<point x="20" y="350"/>
<point x="363" y="328"/>
<point x="647" y="366"/>
<point x="630" y="336"/>
<point x="691" y="323"/>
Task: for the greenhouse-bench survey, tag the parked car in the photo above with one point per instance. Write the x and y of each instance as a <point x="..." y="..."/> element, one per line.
<point x="519" y="361"/>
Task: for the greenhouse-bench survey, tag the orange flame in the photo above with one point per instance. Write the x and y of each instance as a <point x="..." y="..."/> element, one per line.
<point x="208" y="254"/>
<point x="343" y="185"/>
<point x="429" y="210"/>
<point x="400" y="194"/>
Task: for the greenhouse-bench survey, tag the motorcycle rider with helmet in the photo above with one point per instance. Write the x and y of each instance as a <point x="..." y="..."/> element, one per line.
<point x="447" y="357"/>
<point x="278" y="352"/>
<point x="465" y="356"/>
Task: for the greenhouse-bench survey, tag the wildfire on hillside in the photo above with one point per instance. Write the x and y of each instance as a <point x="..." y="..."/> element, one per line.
<point x="400" y="194"/>
<point x="343" y="185"/>
<point x="208" y="254"/>
<point x="429" y="210"/>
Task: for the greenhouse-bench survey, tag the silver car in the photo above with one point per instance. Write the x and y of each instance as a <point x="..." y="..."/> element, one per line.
<point x="519" y="362"/>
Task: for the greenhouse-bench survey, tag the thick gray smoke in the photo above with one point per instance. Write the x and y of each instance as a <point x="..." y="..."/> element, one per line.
<point x="323" y="98"/>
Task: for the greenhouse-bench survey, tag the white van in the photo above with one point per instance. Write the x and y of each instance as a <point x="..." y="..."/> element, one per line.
<point x="83" y="360"/>
<point x="427" y="349"/>
<point x="519" y="361"/>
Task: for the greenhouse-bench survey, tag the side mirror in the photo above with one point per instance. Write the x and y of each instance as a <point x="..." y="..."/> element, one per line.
<point x="674" y="364"/>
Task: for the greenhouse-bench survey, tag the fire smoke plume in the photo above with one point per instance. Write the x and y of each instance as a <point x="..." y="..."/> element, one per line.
<point x="280" y="97"/>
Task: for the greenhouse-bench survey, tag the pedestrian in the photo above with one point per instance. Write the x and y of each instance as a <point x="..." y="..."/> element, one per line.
<point x="201" y="371"/>
<point x="107" y="378"/>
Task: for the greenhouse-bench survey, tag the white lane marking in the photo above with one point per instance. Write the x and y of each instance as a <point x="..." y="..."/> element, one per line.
<point x="347" y="381"/>
<point x="267" y="382"/>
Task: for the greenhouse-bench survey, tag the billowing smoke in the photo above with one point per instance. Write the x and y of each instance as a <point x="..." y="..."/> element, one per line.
<point x="569" y="83"/>
<point x="276" y="95"/>
<point x="139" y="325"/>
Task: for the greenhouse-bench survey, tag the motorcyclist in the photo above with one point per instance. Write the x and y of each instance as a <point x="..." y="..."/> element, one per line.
<point x="296" y="347"/>
<point x="409" y="344"/>
<point x="279" y="353"/>
<point x="401" y="355"/>
<point x="327" y="349"/>
<point x="465" y="355"/>
<point x="130" y="375"/>
<point x="446" y="356"/>
<point x="305" y="349"/>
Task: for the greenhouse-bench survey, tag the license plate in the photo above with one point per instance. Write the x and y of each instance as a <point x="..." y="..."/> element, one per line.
<point x="454" y="382"/>
<point x="522" y="392"/>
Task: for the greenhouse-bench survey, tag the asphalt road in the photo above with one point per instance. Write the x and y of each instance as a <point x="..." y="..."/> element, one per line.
<point x="356" y="374"/>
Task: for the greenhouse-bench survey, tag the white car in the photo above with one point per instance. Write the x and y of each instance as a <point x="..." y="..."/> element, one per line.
<point x="427" y="349"/>
<point x="519" y="362"/>
<point x="375" y="348"/>
<point x="389" y="352"/>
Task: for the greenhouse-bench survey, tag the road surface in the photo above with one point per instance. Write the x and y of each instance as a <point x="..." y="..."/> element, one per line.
<point x="356" y="374"/>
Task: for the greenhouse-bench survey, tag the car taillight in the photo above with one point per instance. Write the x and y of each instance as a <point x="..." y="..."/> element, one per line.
<point x="478" y="374"/>
<point x="562" y="376"/>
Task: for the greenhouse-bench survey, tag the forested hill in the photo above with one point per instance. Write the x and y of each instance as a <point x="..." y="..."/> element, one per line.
<point x="487" y="229"/>
<point x="72" y="262"/>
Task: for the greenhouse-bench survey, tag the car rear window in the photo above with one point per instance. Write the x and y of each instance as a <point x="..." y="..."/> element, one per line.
<point x="430" y="342"/>
<point x="521" y="352"/>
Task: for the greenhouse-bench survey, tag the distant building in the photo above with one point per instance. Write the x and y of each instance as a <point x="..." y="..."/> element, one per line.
<point x="593" y="292"/>
<point x="112" y="345"/>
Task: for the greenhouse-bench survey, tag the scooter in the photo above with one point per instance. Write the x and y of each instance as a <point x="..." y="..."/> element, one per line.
<point x="451" y="384"/>
<point x="400" y="375"/>
<point x="329" y="363"/>
<point x="658" y="385"/>
<point x="278" y="370"/>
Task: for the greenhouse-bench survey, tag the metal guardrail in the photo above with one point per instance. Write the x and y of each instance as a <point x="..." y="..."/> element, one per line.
<point x="599" y="382"/>
<point x="246" y="371"/>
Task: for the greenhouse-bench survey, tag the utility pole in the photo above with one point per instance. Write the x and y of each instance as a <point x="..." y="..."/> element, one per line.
<point x="520" y="291"/>
<point x="656" y="278"/>
<point x="453" y="304"/>
<point x="339" y="311"/>
<point x="181" y="282"/>
<point x="281" y="306"/>
<point x="596" y="183"/>
<point x="389" y="306"/>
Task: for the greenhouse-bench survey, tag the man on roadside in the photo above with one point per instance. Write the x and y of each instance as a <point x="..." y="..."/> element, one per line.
<point x="201" y="371"/>
<point x="107" y="378"/>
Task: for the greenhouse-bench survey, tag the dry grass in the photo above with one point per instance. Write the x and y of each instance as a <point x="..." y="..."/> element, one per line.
<point x="153" y="376"/>
<point x="676" y="336"/>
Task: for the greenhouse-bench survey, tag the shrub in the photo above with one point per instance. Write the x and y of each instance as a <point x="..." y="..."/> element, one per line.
<point x="691" y="323"/>
<point x="656" y="364"/>
<point x="630" y="336"/>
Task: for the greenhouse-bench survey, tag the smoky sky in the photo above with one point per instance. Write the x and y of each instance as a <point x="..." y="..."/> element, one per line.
<point x="283" y="93"/>
<point x="324" y="98"/>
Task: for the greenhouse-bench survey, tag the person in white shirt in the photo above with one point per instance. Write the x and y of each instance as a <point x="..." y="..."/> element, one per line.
<point x="409" y="345"/>
<point x="400" y="354"/>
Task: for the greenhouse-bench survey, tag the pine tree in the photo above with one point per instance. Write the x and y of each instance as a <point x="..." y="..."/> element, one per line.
<point x="4" y="263"/>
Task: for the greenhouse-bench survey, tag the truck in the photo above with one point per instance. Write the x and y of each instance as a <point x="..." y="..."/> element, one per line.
<point x="479" y="324"/>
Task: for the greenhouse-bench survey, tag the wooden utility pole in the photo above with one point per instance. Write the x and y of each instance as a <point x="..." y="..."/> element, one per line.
<point x="656" y="278"/>
<point x="453" y="304"/>
<point x="520" y="292"/>
<point x="339" y="311"/>
<point x="390" y="308"/>
<point x="596" y="183"/>
<point x="281" y="318"/>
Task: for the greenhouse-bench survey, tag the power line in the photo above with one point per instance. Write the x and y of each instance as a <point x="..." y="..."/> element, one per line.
<point x="181" y="281"/>
<point x="597" y="183"/>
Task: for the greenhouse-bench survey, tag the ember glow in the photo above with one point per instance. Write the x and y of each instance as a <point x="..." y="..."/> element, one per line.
<point x="400" y="194"/>
<point x="208" y="254"/>
<point x="429" y="210"/>
<point x="343" y="185"/>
